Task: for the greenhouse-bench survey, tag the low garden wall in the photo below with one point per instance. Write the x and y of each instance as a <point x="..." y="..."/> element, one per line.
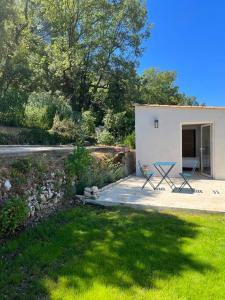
<point x="33" y="185"/>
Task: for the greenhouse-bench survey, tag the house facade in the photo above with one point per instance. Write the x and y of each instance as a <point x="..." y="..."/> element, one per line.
<point x="182" y="134"/>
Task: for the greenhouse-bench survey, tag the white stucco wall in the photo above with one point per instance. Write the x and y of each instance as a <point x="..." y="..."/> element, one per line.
<point x="165" y="143"/>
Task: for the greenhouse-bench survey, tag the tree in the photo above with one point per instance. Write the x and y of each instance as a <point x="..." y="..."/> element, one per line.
<point x="122" y="92"/>
<point x="14" y="26"/>
<point x="64" y="57"/>
<point x="85" y="41"/>
<point x="119" y="124"/>
<point x="158" y="87"/>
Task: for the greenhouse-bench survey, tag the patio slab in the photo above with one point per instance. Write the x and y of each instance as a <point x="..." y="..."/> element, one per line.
<point x="209" y="195"/>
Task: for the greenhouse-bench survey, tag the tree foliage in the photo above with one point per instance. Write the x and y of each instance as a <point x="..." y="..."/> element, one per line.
<point x="83" y="42"/>
<point x="59" y="58"/>
<point x="159" y="87"/>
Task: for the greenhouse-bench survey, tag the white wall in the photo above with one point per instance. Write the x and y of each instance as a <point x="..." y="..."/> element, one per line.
<point x="165" y="143"/>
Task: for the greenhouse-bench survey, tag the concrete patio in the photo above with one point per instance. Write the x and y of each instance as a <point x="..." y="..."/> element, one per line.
<point x="209" y="195"/>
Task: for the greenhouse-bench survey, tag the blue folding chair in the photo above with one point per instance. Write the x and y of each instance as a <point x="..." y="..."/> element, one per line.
<point x="187" y="176"/>
<point x="148" y="176"/>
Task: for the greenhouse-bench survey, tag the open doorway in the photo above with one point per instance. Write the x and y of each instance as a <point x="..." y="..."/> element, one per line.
<point x="196" y="146"/>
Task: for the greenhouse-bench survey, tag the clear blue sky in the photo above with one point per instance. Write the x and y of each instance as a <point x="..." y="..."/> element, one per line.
<point x="188" y="36"/>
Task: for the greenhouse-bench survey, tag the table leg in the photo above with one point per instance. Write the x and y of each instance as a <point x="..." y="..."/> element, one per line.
<point x="164" y="176"/>
<point x="167" y="176"/>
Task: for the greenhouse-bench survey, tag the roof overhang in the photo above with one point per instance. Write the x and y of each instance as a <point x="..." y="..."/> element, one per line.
<point x="179" y="106"/>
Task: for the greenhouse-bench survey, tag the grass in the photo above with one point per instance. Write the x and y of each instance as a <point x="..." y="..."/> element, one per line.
<point x="94" y="253"/>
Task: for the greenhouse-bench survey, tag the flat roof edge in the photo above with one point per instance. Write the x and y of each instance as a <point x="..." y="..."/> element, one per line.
<point x="179" y="106"/>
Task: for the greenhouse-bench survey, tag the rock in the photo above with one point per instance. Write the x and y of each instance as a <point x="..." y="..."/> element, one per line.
<point x="91" y="193"/>
<point x="80" y="197"/>
<point x="56" y="200"/>
<point x="95" y="189"/>
<point x="7" y="185"/>
<point x="37" y="206"/>
<point x="87" y="193"/>
<point x="50" y="194"/>
<point x="43" y="197"/>
<point x="118" y="158"/>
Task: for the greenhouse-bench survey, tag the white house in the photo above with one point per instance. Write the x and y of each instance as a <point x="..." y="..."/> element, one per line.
<point x="181" y="134"/>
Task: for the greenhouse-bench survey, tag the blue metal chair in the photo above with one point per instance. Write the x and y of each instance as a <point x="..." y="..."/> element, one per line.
<point x="187" y="176"/>
<point x="148" y="176"/>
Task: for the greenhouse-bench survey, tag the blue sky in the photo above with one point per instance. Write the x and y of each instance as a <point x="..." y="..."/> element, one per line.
<point x="188" y="36"/>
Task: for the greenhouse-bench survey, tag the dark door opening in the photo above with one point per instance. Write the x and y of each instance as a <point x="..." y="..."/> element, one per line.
<point x="189" y="143"/>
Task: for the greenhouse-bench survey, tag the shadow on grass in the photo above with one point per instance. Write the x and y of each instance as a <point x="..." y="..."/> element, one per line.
<point x="118" y="247"/>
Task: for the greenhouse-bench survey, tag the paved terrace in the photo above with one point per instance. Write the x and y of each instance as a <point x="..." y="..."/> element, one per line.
<point x="208" y="197"/>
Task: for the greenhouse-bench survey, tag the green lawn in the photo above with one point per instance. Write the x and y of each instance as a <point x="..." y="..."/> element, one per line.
<point x="94" y="253"/>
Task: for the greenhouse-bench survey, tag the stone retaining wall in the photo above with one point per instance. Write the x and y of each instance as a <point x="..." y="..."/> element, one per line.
<point x="44" y="185"/>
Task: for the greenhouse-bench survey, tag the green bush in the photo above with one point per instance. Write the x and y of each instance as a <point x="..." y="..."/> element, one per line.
<point x="12" y="106"/>
<point x="119" y="124"/>
<point x="13" y="214"/>
<point x="31" y="137"/>
<point x="88" y="171"/>
<point x="104" y="172"/>
<point x="38" y="137"/>
<point x="77" y="166"/>
<point x="23" y="165"/>
<point x="8" y="139"/>
<point x="129" y="140"/>
<point x="18" y="179"/>
<point x="37" y="117"/>
<point x="105" y="138"/>
<point x="66" y="130"/>
<point x="88" y="123"/>
<point x="42" y="108"/>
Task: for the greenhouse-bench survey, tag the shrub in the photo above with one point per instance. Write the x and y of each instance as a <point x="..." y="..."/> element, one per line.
<point x="38" y="137"/>
<point x="129" y="140"/>
<point x="23" y="165"/>
<point x="13" y="214"/>
<point x="12" y="108"/>
<point x="88" y="171"/>
<point x="37" y="117"/>
<point x="105" y="138"/>
<point x="8" y="139"/>
<point x="31" y="137"/>
<point x="88" y="123"/>
<point x="119" y="124"/>
<point x="104" y="172"/>
<point x="42" y="108"/>
<point x="18" y="179"/>
<point x="77" y="166"/>
<point x="66" y="130"/>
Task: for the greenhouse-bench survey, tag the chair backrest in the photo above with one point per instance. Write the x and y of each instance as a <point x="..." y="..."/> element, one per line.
<point x="141" y="169"/>
<point x="195" y="166"/>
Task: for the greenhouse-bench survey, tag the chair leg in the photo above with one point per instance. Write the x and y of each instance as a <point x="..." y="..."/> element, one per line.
<point x="186" y="182"/>
<point x="152" y="185"/>
<point x="190" y="186"/>
<point x="182" y="185"/>
<point x="144" y="184"/>
<point x="148" y="180"/>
